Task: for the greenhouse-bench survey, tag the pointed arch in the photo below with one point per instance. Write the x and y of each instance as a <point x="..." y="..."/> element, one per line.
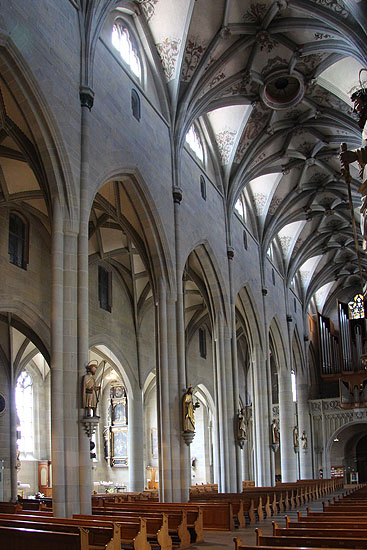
<point x="148" y="235"/>
<point x="214" y="287"/>
<point x="249" y="317"/>
<point x="275" y="333"/>
<point x="297" y="351"/>
<point x="47" y="153"/>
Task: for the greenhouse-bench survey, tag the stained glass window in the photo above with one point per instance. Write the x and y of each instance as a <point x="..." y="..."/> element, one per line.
<point x="24" y="405"/>
<point x="124" y="43"/>
<point x="356" y="307"/>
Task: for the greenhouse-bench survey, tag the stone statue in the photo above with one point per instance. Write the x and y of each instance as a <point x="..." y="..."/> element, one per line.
<point x="275" y="432"/>
<point x="188" y="410"/>
<point x="91" y="390"/>
<point x="295" y="436"/>
<point x="359" y="99"/>
<point x="304" y="440"/>
<point x="241" y="425"/>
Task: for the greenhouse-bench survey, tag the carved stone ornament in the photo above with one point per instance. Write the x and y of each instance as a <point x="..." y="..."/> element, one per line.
<point x="275" y="447"/>
<point x="230" y="252"/>
<point x="90" y="424"/>
<point x="177" y="195"/>
<point x="86" y="95"/>
<point x="188" y="437"/>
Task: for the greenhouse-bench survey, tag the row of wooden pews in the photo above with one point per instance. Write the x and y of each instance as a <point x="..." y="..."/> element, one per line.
<point x="257" y="503"/>
<point x="342" y="524"/>
<point x="113" y="526"/>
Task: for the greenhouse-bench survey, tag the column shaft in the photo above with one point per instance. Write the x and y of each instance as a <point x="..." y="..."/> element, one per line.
<point x="57" y="364"/>
<point x="304" y="424"/>
<point x="287" y="422"/>
<point x="85" y="465"/>
<point x="136" y="442"/>
<point x="261" y="421"/>
<point x="163" y="400"/>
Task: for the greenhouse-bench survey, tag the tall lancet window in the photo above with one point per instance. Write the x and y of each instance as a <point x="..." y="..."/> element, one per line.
<point x="24" y="405"/>
<point x="125" y="44"/>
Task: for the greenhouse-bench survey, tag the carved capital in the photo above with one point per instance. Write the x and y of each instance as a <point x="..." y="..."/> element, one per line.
<point x="230" y="252"/>
<point x="264" y="291"/>
<point x="177" y="195"/>
<point x="86" y="95"/>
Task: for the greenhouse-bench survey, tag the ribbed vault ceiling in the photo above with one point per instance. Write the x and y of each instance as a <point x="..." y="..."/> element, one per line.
<point x="268" y="84"/>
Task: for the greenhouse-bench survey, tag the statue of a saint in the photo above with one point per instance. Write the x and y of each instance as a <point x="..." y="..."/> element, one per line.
<point x="91" y="390"/>
<point x="241" y="425"/>
<point x="304" y="440"/>
<point x="295" y="436"/>
<point x="359" y="100"/>
<point x="274" y="432"/>
<point x="188" y="410"/>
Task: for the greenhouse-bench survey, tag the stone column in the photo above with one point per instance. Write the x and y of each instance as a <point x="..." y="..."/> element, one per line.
<point x="304" y="424"/>
<point x="175" y="400"/>
<point x="182" y="385"/>
<point x="57" y="363"/>
<point x="8" y="340"/>
<point x="261" y="420"/>
<point x="85" y="464"/>
<point x="71" y="400"/>
<point x="163" y="399"/>
<point x="184" y="479"/>
<point x="221" y="402"/>
<point x="288" y="458"/>
<point x="136" y="441"/>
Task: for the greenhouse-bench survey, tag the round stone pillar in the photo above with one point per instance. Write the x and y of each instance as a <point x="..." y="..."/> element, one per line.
<point x="287" y="421"/>
<point x="263" y="464"/>
<point x="304" y="424"/>
<point x="136" y="442"/>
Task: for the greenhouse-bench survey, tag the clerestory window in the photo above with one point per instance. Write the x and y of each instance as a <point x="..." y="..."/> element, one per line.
<point x="123" y="41"/>
<point x="194" y="142"/>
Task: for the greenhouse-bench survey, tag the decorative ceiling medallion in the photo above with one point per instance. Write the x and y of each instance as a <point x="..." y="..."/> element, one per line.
<point x="282" y="90"/>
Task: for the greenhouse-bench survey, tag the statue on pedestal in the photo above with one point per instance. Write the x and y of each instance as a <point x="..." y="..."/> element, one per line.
<point x="188" y="410"/>
<point x="91" y="391"/>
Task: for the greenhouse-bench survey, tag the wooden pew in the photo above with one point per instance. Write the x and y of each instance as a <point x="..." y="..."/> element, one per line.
<point x="325" y="523"/>
<point x="125" y="534"/>
<point x="14" y="538"/>
<point x="156" y="527"/>
<point x="98" y="536"/>
<point x="194" y="514"/>
<point x="310" y="541"/>
<point x="324" y="517"/>
<point x="240" y="546"/>
<point x="10" y="507"/>
<point x="305" y="532"/>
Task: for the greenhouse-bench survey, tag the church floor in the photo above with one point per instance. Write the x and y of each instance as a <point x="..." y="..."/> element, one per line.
<point x="218" y="540"/>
